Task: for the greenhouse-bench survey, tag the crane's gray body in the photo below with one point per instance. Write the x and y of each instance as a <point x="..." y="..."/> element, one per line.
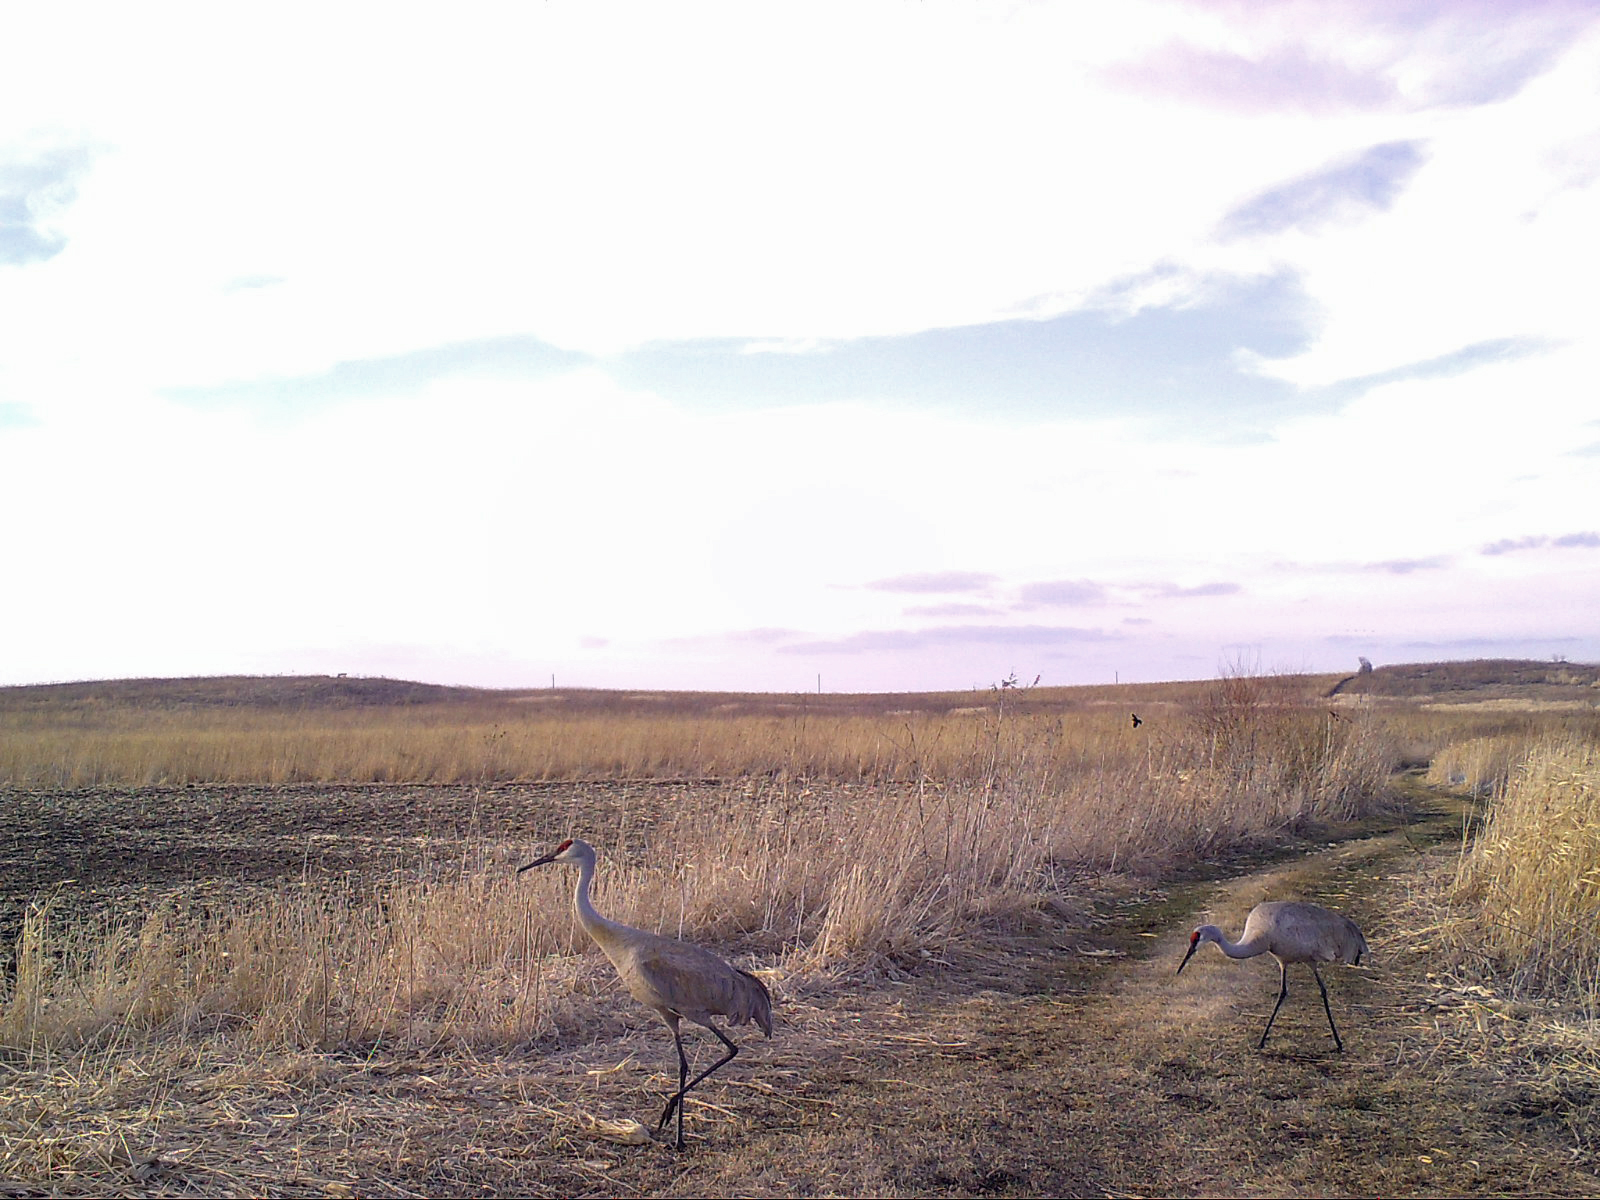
<point x="1295" y="931"/>
<point x="680" y="979"/>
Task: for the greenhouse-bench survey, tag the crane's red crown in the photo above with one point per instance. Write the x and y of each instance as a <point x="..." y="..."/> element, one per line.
<point x="563" y="845"/>
<point x="1194" y="937"/>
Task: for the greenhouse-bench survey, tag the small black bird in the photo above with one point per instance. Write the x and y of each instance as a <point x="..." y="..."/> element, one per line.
<point x="1136" y="721"/>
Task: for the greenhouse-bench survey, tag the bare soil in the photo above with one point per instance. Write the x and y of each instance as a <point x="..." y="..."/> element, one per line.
<point x="1064" y="1059"/>
<point x="95" y="848"/>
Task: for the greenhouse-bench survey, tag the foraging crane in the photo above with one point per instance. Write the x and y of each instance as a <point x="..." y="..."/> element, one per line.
<point x="676" y="979"/>
<point x="1292" y="931"/>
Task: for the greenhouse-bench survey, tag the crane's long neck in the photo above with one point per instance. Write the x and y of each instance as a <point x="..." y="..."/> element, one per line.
<point x="1245" y="948"/>
<point x="608" y="934"/>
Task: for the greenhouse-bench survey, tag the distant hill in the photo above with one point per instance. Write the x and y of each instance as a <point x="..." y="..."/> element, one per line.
<point x="324" y="692"/>
<point x="1477" y="679"/>
<point x="238" y="691"/>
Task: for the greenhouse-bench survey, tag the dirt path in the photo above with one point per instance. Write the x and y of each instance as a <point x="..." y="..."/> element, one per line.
<point x="1098" y="1073"/>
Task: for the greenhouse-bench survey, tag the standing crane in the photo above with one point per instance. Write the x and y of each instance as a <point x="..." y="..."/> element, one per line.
<point x="1292" y="931"/>
<point x="676" y="979"/>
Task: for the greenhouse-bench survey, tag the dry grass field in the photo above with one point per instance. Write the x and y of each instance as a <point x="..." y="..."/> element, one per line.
<point x="297" y="730"/>
<point x="266" y="937"/>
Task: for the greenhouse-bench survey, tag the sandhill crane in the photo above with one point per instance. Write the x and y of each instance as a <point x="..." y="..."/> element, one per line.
<point x="1292" y="931"/>
<point x="676" y="979"/>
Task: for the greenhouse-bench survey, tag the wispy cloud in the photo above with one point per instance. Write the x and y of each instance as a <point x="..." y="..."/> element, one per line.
<point x="1411" y="53"/>
<point x="934" y="582"/>
<point x="1064" y="593"/>
<point x="1407" y="566"/>
<point x="1584" y="540"/>
<point x="953" y="610"/>
<point x="870" y="641"/>
<point x="523" y="358"/>
<point x="1348" y="190"/>
<point x="1477" y="55"/>
<point x="1293" y="77"/>
<point x="1178" y="592"/>
<point x="16" y="416"/>
<point x="738" y="637"/>
<point x="1446" y="366"/>
<point x="34" y="190"/>
<point x="1504" y="645"/>
<point x="1178" y="360"/>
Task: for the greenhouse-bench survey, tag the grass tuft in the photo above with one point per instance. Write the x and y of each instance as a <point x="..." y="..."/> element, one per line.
<point x="1532" y="878"/>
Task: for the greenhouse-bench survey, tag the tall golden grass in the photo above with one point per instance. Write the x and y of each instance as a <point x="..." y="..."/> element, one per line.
<point x="1532" y="878"/>
<point x="1483" y="765"/>
<point x="93" y="741"/>
<point x="1465" y="744"/>
<point x="439" y="747"/>
<point x="974" y="820"/>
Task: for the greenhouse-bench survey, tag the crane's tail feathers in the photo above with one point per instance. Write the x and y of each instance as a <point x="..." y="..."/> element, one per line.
<point x="760" y="1004"/>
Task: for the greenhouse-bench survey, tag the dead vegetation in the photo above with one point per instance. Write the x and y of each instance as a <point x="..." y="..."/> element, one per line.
<point x="1531" y="880"/>
<point x="403" y="1017"/>
<point x="164" y="733"/>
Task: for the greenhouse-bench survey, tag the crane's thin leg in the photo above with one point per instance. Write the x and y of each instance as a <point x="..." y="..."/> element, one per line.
<point x="1336" y="1039"/>
<point x="683" y="1073"/>
<point x="721" y="1062"/>
<point x="677" y="1099"/>
<point x="1283" y="990"/>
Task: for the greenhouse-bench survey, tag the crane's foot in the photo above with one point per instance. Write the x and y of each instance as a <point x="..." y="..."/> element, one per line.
<point x="666" y="1113"/>
<point x="674" y="1104"/>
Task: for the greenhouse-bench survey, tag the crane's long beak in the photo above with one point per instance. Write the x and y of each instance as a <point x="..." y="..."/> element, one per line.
<point x="538" y="862"/>
<point x="1193" y="946"/>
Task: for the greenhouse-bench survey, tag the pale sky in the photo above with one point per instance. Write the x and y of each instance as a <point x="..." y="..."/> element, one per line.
<point x="900" y="345"/>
